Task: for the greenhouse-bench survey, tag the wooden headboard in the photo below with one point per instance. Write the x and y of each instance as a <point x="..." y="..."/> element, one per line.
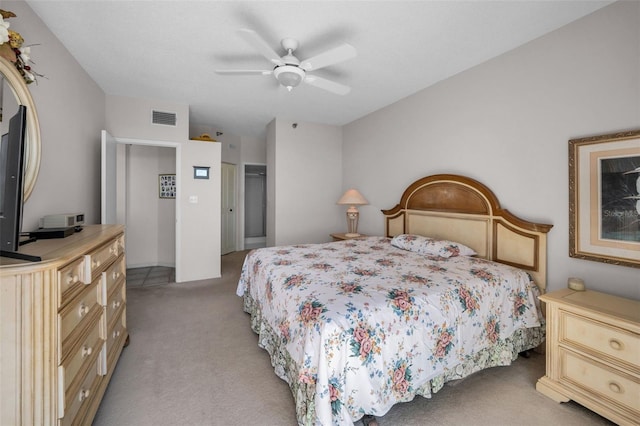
<point x="461" y="209"/>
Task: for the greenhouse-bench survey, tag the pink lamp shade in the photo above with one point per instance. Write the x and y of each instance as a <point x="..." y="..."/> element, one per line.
<point x="352" y="198"/>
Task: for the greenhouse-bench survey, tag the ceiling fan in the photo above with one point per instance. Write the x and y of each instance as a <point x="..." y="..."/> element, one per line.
<point x="289" y="70"/>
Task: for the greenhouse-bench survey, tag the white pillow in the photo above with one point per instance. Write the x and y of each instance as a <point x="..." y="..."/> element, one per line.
<point x="431" y="247"/>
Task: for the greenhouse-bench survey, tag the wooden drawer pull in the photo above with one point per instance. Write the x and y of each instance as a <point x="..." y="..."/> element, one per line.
<point x="616" y="388"/>
<point x="86" y="351"/>
<point x="116" y="304"/>
<point x="84" y="394"/>
<point x="71" y="278"/>
<point x="96" y="263"/>
<point x="116" y="275"/>
<point x="82" y="310"/>
<point x="116" y="334"/>
<point x="615" y="344"/>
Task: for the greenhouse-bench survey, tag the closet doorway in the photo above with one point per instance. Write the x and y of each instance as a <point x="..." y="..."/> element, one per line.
<point x="255" y="206"/>
<point x="130" y="195"/>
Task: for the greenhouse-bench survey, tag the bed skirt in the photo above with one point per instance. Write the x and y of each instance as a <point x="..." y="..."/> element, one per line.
<point x="503" y="353"/>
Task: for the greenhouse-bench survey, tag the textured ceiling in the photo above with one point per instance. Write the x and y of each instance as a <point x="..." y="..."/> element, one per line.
<point x="168" y="50"/>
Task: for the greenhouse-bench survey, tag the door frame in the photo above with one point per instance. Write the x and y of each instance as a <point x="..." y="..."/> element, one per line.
<point x="105" y="192"/>
<point x="242" y="210"/>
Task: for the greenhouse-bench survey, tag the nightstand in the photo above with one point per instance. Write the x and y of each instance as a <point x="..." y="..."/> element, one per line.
<point x="593" y="353"/>
<point x="342" y="236"/>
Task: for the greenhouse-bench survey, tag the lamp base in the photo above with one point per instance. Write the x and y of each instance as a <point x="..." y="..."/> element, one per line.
<point x="352" y="222"/>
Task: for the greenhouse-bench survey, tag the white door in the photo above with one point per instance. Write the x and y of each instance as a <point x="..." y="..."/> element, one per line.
<point x="109" y="179"/>
<point x="228" y="216"/>
<point x="113" y="180"/>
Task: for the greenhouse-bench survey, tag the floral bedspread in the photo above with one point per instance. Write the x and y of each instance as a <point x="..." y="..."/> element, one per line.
<point x="356" y="326"/>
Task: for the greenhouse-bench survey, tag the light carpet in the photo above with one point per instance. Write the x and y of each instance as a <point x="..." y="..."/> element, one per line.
<point x="193" y="360"/>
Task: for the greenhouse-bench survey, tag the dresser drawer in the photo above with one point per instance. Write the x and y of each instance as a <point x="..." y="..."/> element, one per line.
<point x="115" y="303"/>
<point x="116" y="334"/>
<point x="599" y="338"/>
<point x="600" y="381"/>
<point x="70" y="281"/>
<point x="78" y="400"/>
<point x="114" y="276"/>
<point x="74" y="319"/>
<point x="100" y="259"/>
<point x="75" y="367"/>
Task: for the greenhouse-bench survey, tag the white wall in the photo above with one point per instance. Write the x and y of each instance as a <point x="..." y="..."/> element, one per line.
<point x="142" y="214"/>
<point x="304" y="165"/>
<point x="71" y="111"/>
<point x="238" y="150"/>
<point x="126" y="117"/>
<point x="131" y="118"/>
<point x="507" y="124"/>
<point x="199" y="244"/>
<point x="253" y="150"/>
<point x="150" y="219"/>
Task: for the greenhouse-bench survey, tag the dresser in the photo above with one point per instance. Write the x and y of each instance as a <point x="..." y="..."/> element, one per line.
<point x="62" y="327"/>
<point x="593" y="353"/>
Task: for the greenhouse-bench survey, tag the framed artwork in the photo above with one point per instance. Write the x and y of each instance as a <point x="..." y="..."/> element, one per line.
<point x="604" y="198"/>
<point x="167" y="186"/>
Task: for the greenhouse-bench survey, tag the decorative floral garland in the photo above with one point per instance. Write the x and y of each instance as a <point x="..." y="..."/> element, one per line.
<point x="11" y="48"/>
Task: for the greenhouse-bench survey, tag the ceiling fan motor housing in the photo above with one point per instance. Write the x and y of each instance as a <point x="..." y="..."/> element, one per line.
<point x="289" y="75"/>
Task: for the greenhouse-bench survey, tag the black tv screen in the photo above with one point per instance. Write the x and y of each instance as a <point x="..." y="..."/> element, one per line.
<point x="12" y="181"/>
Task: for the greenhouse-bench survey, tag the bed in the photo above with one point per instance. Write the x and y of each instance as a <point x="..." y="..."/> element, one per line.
<point x="357" y="326"/>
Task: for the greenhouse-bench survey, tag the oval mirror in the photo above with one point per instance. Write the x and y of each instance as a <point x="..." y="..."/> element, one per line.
<point x="14" y="92"/>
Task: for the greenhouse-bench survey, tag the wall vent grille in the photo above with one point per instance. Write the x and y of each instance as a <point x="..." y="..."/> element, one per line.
<point x="164" y="118"/>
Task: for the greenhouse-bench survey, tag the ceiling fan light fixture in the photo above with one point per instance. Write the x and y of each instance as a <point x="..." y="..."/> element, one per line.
<point x="289" y="75"/>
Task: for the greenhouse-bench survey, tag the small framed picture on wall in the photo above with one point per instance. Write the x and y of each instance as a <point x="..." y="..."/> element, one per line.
<point x="167" y="186"/>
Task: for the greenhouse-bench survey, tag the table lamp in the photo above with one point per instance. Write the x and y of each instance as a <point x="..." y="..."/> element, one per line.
<point x="352" y="198"/>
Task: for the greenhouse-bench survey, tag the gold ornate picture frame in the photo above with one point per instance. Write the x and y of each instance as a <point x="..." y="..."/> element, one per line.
<point x="604" y="198"/>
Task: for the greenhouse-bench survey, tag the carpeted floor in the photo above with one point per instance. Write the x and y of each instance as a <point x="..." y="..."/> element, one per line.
<point x="193" y="360"/>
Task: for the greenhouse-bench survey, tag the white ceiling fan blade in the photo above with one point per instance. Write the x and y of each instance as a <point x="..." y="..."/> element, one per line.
<point x="330" y="57"/>
<point x="331" y="86"/>
<point x="260" y="45"/>
<point x="246" y="72"/>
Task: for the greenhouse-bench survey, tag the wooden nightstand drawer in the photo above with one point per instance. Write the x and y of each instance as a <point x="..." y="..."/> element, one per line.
<point x="600" y="381"/>
<point x="599" y="338"/>
<point x="593" y="354"/>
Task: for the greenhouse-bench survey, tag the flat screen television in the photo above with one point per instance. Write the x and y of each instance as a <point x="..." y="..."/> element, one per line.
<point x="12" y="151"/>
